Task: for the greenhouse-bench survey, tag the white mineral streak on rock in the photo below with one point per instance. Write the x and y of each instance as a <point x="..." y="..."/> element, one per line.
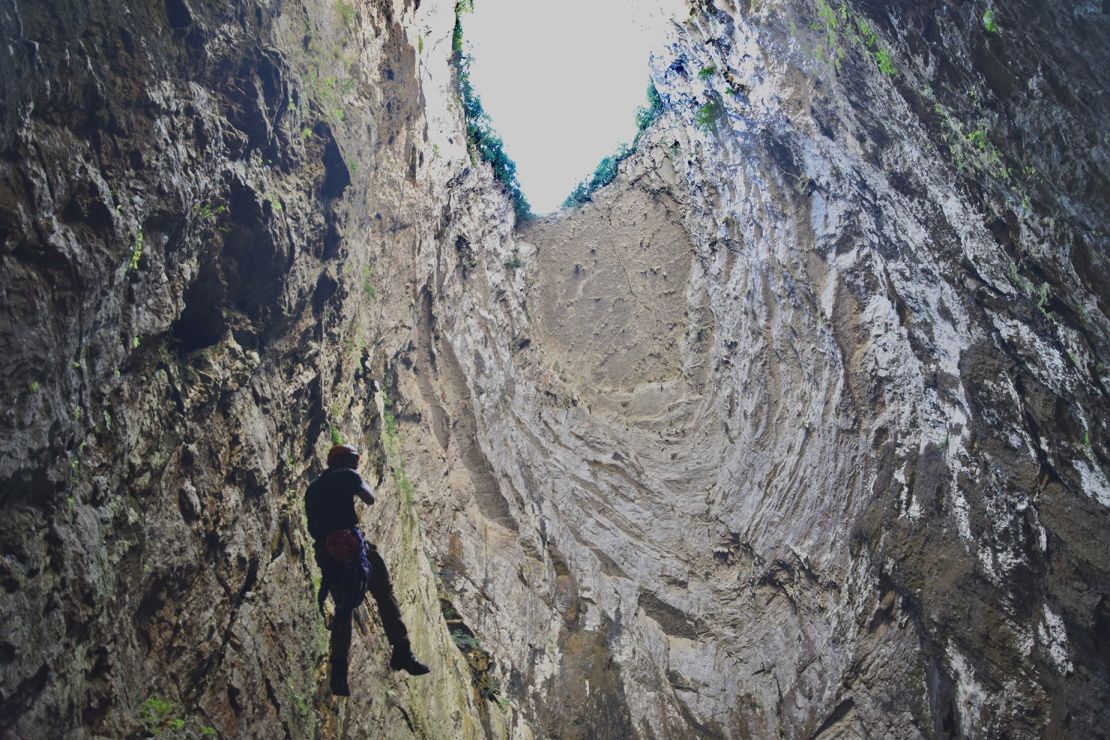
<point x="1054" y="639"/>
<point x="970" y="695"/>
<point x="1046" y="362"/>
<point x="1025" y="640"/>
<point x="1094" y="480"/>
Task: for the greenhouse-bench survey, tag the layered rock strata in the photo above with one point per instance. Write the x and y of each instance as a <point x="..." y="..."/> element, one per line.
<point x="195" y="200"/>
<point x="798" y="428"/>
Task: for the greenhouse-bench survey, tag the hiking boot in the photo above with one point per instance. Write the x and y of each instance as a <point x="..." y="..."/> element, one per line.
<point x="404" y="660"/>
<point x="339" y="686"/>
<point x="338" y="681"/>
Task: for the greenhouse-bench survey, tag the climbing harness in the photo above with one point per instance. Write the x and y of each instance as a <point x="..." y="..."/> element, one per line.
<point x="343" y="546"/>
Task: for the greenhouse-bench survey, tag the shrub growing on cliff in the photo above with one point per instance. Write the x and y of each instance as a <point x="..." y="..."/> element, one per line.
<point x="464" y="641"/>
<point x="990" y="25"/>
<point x="708" y="114"/>
<point x="479" y="129"/>
<point x="161" y="718"/>
<point x="604" y="174"/>
<point x="840" y="23"/>
<point x="136" y="252"/>
<point x="885" y="62"/>
<point x="607" y="169"/>
<point x="645" y="116"/>
<point x="208" y="213"/>
<point x="158" y="716"/>
<point x="346" y="13"/>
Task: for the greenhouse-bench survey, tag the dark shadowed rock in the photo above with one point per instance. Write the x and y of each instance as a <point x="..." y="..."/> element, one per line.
<point x="797" y="428"/>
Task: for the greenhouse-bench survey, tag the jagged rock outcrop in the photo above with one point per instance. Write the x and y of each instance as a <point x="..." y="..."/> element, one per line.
<point x="791" y="414"/>
<point x="185" y="320"/>
<point x="798" y="428"/>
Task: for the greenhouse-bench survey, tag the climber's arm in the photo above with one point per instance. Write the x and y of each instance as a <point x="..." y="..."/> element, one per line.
<point x="325" y="575"/>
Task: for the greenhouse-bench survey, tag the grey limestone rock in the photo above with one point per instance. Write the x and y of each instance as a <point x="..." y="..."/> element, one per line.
<point x="797" y="428"/>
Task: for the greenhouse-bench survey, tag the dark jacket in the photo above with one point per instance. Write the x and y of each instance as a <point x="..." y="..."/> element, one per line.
<point x="329" y="502"/>
<point x="329" y="505"/>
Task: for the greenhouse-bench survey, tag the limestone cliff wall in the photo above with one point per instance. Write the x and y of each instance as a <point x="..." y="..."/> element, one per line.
<point x="204" y="209"/>
<point x="799" y="428"/>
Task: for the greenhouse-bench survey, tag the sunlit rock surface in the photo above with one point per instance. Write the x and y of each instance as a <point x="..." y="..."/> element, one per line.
<point x="798" y="428"/>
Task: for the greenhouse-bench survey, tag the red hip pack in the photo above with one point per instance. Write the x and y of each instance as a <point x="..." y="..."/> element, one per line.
<point x="343" y="545"/>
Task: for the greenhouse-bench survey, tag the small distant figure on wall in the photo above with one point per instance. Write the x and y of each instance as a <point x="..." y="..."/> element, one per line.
<point x="350" y="566"/>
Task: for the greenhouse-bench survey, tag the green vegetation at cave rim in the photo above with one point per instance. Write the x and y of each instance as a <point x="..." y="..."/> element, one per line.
<point x="607" y="170"/>
<point x="482" y="140"/>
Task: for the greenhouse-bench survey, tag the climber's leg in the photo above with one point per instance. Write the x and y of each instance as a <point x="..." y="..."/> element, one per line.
<point x="340" y="654"/>
<point x="390" y="613"/>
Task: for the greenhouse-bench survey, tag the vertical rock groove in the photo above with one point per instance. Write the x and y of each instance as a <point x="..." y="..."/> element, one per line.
<point x="797" y="428"/>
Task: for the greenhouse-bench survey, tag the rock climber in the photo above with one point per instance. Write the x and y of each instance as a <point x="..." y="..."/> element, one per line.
<point x="349" y="565"/>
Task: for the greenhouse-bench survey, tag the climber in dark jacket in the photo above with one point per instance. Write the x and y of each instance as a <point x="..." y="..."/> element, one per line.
<point x="349" y="565"/>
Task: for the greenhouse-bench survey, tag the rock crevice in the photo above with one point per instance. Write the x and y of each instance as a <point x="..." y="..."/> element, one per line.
<point x="798" y="427"/>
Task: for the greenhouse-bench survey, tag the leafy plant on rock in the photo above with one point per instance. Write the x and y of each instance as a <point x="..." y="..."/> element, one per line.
<point x="464" y="641"/>
<point x="841" y="22"/>
<point x="990" y="25"/>
<point x="480" y="135"/>
<point x="885" y="62"/>
<point x="346" y="13"/>
<point x="708" y="114"/>
<point x="367" y="283"/>
<point x="158" y="717"/>
<point x="606" y="170"/>
<point x="209" y="213"/>
<point x="136" y="252"/>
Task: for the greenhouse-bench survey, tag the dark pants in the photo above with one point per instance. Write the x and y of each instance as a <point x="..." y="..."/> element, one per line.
<point x="348" y="585"/>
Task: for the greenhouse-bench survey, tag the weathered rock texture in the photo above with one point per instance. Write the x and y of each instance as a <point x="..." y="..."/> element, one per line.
<point x="194" y="201"/>
<point x="798" y="429"/>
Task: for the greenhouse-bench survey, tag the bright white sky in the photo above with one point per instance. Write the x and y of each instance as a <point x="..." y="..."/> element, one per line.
<point x="561" y="81"/>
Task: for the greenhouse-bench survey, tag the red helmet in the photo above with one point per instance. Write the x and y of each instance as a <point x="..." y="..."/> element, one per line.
<point x="342" y="456"/>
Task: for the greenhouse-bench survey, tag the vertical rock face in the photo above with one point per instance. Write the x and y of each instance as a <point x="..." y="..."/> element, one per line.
<point x="798" y="428"/>
<point x="195" y="200"/>
<point x="804" y="414"/>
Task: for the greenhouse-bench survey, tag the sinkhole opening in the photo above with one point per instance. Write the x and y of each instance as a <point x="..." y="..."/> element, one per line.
<point x="554" y="92"/>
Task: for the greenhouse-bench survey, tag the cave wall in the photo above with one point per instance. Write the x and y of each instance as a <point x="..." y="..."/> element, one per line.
<point x="804" y="415"/>
<point x="799" y="427"/>
<point x="197" y="200"/>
